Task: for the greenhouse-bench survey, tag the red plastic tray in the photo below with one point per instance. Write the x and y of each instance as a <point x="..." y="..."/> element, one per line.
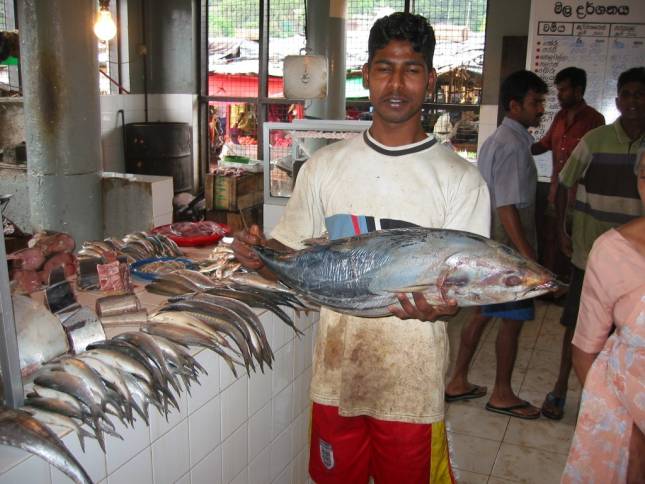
<point x="194" y="240"/>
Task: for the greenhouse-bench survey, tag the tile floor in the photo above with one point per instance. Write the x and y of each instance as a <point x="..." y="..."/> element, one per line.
<point x="495" y="449"/>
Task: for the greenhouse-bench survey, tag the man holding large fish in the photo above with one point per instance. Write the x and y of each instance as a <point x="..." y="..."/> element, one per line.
<point x="378" y="383"/>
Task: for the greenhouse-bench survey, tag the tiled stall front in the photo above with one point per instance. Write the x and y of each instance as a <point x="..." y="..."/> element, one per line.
<point x="230" y="430"/>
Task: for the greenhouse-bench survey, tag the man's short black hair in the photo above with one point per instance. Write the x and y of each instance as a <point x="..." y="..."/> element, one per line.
<point x="635" y="74"/>
<point x="516" y="86"/>
<point x="577" y="77"/>
<point x="402" y="26"/>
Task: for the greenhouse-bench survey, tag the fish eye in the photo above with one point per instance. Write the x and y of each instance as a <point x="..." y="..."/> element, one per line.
<point x="511" y="281"/>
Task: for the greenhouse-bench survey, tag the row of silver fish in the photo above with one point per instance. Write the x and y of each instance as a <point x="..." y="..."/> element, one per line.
<point x="115" y="378"/>
<point x="227" y="321"/>
<point x="137" y="246"/>
<point x="250" y="289"/>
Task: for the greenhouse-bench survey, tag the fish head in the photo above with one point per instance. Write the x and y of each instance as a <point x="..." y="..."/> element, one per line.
<point x="508" y="276"/>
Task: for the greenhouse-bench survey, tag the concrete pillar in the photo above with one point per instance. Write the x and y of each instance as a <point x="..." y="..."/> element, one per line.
<point x="327" y="37"/>
<point x="59" y="65"/>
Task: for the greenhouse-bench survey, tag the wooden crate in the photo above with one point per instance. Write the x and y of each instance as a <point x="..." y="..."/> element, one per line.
<point x="233" y="193"/>
<point x="237" y="220"/>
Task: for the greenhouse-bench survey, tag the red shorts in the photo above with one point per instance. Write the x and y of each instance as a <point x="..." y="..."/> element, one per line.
<point x="348" y="450"/>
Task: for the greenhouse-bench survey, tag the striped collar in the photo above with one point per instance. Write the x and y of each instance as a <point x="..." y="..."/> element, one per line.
<point x="424" y="144"/>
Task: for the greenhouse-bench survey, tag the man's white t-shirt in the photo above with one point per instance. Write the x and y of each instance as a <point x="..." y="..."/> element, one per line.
<point x="386" y="368"/>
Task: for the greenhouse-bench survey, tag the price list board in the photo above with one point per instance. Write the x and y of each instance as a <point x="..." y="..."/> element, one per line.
<point x="603" y="38"/>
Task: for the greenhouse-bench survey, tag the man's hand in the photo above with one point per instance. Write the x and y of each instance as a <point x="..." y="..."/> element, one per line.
<point x="421" y="309"/>
<point x="242" y="247"/>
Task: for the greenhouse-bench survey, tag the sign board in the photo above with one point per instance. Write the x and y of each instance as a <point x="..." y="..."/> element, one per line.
<point x="603" y="37"/>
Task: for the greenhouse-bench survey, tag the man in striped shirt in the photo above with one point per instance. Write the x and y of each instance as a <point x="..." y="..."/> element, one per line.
<point x="603" y="166"/>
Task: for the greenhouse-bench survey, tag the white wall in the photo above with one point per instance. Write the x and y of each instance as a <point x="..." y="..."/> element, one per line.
<point x="505" y="18"/>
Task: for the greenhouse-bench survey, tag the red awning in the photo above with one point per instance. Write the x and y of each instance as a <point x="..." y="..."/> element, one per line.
<point x="241" y="85"/>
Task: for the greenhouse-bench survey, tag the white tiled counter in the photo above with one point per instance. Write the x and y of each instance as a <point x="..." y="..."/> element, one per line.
<point x="230" y="430"/>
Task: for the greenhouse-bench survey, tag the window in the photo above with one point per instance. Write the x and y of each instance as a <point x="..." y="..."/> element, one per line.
<point x="460" y="28"/>
<point x="9" y="75"/>
<point x="236" y="103"/>
<point x="236" y="100"/>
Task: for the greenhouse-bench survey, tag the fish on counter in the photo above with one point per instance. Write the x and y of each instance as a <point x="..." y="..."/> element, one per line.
<point x="271" y="301"/>
<point x="220" y="320"/>
<point x="361" y="275"/>
<point x="188" y="335"/>
<point x="137" y="246"/>
<point x="250" y="291"/>
<point x="21" y="430"/>
<point x="57" y="420"/>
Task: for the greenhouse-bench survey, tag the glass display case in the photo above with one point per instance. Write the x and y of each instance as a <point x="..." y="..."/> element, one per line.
<point x="289" y="145"/>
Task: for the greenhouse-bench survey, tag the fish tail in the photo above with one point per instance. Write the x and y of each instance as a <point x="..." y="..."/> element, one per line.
<point x="143" y="414"/>
<point x="196" y="364"/>
<point x="99" y="433"/>
<point x="186" y="381"/>
<point x="82" y="435"/>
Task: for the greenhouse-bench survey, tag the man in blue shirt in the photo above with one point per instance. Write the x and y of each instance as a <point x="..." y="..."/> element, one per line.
<point x="506" y="163"/>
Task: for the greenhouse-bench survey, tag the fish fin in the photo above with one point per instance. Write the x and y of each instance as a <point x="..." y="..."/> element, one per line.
<point x="441" y="283"/>
<point x="316" y="240"/>
<point x="186" y="381"/>
<point x="81" y="441"/>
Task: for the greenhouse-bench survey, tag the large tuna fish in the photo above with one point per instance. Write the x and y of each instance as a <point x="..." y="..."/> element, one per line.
<point x="361" y="275"/>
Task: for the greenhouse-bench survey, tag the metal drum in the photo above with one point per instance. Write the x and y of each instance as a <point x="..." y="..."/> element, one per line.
<point x="161" y="148"/>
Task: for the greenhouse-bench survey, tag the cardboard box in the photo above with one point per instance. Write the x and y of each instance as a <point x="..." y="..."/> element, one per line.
<point x="237" y="220"/>
<point x="233" y="193"/>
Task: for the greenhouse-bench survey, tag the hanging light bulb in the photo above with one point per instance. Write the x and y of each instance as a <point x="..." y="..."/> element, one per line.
<point x="104" y="28"/>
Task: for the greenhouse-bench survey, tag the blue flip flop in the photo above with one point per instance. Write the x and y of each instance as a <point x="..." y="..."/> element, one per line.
<point x="557" y="403"/>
